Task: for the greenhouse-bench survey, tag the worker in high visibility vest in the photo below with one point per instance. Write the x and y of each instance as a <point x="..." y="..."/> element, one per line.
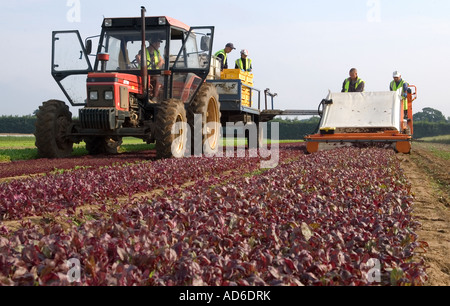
<point x="222" y="55"/>
<point x="353" y="83"/>
<point x="154" y="62"/>
<point x="397" y="84"/>
<point x="244" y="63"/>
<point x="154" y="59"/>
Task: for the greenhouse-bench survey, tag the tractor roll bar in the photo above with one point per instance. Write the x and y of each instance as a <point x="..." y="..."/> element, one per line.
<point x="144" y="67"/>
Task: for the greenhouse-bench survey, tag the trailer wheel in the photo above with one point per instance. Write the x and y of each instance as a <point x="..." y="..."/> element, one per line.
<point x="103" y="145"/>
<point x="171" y="130"/>
<point x="206" y="104"/>
<point x="52" y="126"/>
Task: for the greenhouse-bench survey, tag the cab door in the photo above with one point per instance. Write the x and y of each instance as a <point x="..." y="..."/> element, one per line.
<point x="70" y="65"/>
<point x="192" y="64"/>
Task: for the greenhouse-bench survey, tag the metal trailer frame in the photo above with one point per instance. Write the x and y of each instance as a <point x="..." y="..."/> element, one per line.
<point x="231" y="106"/>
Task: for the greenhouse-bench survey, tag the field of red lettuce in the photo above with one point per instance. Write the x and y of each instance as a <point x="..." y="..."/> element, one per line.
<point x="319" y="219"/>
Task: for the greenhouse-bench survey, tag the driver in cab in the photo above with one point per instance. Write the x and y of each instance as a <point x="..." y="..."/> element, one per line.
<point x="154" y="62"/>
<point x="154" y="59"/>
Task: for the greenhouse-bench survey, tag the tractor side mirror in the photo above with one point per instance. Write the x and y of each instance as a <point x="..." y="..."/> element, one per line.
<point x="205" y="43"/>
<point x="88" y="46"/>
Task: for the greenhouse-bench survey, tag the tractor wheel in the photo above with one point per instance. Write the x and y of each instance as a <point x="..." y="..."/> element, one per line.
<point x="53" y="123"/>
<point x="171" y="130"/>
<point x="207" y="105"/>
<point x="103" y="145"/>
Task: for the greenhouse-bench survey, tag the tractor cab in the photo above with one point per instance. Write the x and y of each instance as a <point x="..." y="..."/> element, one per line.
<point x="177" y="56"/>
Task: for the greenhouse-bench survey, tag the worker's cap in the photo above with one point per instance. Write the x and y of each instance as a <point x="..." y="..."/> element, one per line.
<point x="397" y="74"/>
<point x="156" y="39"/>
<point x="245" y="52"/>
<point x="230" y="45"/>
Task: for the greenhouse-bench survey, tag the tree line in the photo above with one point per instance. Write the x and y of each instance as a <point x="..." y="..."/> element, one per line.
<point x="428" y="123"/>
<point x="17" y="125"/>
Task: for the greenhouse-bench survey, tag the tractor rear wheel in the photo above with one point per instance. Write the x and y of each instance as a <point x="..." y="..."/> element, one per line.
<point x="53" y="123"/>
<point x="206" y="106"/>
<point x="103" y="145"/>
<point x="171" y="130"/>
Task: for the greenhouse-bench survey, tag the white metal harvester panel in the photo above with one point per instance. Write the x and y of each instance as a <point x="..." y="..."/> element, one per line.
<point x="363" y="110"/>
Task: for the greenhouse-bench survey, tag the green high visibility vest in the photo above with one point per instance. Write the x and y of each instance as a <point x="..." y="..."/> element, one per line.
<point x="222" y="52"/>
<point x="347" y="84"/>
<point x="394" y="87"/>
<point x="153" y="65"/>
<point x="248" y="64"/>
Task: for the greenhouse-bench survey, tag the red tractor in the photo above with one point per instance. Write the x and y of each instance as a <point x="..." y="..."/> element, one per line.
<point x="148" y="82"/>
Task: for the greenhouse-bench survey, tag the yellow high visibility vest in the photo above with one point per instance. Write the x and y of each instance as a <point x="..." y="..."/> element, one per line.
<point x="222" y="52"/>
<point x="240" y="64"/>
<point x="395" y="88"/>
<point x="156" y="55"/>
<point x="347" y="84"/>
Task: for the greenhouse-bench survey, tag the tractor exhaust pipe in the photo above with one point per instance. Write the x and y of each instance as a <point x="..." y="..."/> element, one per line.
<point x="144" y="61"/>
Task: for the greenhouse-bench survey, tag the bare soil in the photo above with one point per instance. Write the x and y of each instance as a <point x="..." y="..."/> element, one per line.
<point x="429" y="176"/>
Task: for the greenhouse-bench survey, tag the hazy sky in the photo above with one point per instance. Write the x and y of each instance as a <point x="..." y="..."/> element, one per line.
<point x="300" y="49"/>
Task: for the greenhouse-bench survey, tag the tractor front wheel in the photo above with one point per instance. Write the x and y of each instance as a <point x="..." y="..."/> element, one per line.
<point x="171" y="130"/>
<point x="204" y="119"/>
<point x="53" y="124"/>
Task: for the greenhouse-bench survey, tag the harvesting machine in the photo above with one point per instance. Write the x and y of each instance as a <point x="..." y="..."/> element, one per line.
<point x="361" y="119"/>
<point x="154" y="78"/>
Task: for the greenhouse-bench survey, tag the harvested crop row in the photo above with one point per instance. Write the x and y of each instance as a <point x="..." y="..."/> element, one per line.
<point x="319" y="220"/>
<point x="69" y="190"/>
<point x="49" y="194"/>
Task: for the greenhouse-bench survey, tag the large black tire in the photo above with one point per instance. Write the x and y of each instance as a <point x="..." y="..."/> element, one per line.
<point x="97" y="145"/>
<point x="171" y="130"/>
<point x="53" y="123"/>
<point x="206" y="104"/>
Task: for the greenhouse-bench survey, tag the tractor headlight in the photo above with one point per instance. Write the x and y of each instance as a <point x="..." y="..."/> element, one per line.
<point x="93" y="95"/>
<point x="109" y="95"/>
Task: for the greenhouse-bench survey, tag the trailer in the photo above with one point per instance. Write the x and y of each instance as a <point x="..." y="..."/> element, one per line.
<point x="362" y="119"/>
